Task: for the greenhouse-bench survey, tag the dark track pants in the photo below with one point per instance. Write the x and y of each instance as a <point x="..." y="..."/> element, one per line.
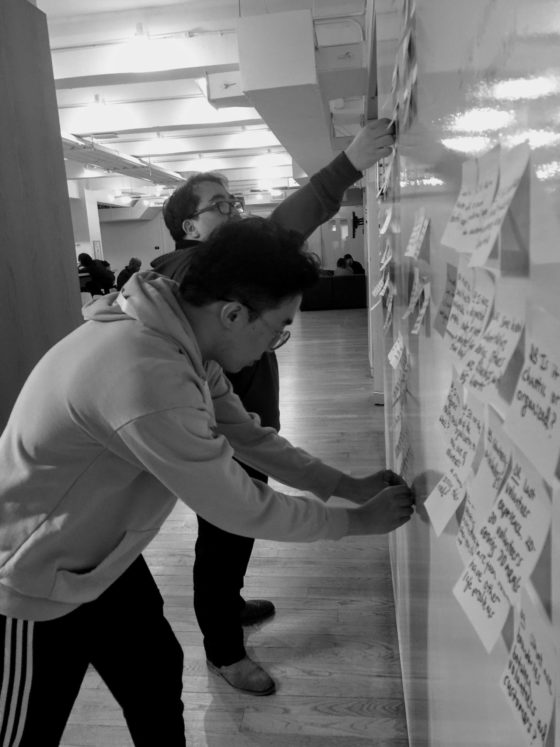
<point x="220" y="564"/>
<point x="125" y="636"/>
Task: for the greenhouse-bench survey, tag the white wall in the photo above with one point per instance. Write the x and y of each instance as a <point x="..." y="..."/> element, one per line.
<point x="335" y="244"/>
<point x="135" y="238"/>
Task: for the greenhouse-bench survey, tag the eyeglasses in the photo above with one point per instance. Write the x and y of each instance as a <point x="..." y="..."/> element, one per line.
<point x="280" y="338"/>
<point x="224" y="207"/>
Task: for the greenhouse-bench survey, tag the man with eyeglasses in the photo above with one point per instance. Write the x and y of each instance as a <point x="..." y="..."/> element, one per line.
<point x="192" y="212"/>
<point x="89" y="474"/>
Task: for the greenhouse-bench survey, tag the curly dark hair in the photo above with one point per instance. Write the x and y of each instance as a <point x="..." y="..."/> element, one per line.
<point x="254" y="261"/>
<point x="184" y="201"/>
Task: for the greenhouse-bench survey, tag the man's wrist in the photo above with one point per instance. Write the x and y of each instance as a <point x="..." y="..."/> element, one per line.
<point x="346" y="487"/>
<point x="355" y="524"/>
<point x="351" y="160"/>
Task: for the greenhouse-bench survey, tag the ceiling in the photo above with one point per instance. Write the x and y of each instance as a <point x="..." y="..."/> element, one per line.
<point x="263" y="91"/>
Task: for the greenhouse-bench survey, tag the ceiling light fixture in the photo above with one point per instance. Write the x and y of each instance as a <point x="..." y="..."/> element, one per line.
<point x="468" y="145"/>
<point x="516" y="89"/>
<point x="481" y="120"/>
<point x="535" y="138"/>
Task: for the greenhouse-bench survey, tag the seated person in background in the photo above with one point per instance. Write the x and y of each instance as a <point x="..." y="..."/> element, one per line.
<point x="101" y="278"/>
<point x="342" y="268"/>
<point x="354" y="265"/>
<point x="133" y="266"/>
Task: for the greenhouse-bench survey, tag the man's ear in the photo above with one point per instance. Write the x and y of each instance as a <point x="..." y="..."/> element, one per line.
<point x="190" y="230"/>
<point x="232" y="314"/>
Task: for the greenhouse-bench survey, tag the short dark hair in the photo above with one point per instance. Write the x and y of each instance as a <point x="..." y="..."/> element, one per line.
<point x="254" y="261"/>
<point x="184" y="201"/>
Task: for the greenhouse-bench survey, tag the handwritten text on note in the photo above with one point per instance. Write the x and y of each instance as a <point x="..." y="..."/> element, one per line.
<point x="534" y="416"/>
<point x="514" y="532"/>
<point x="487" y="360"/>
<point x="482" y="598"/>
<point x="463" y="441"/>
<point x="528" y="679"/>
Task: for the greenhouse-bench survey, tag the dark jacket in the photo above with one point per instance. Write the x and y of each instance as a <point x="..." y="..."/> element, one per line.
<point x="101" y="278"/>
<point x="124" y="275"/>
<point x="305" y="210"/>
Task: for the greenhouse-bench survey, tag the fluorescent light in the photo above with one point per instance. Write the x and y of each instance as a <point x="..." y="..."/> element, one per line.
<point x="536" y="138"/>
<point x="468" y="145"/>
<point x="516" y="89"/>
<point x="421" y="181"/>
<point x="548" y="171"/>
<point x="481" y="120"/>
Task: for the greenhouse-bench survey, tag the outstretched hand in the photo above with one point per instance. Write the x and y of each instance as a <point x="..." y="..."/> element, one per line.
<point x="373" y="142"/>
<point x="388" y="510"/>
<point x="361" y="489"/>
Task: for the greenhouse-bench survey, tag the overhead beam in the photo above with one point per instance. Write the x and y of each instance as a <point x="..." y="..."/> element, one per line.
<point x="271" y="174"/>
<point x="83" y="152"/>
<point x="148" y="116"/>
<point x="161" y="146"/>
<point x="279" y="77"/>
<point x="263" y="162"/>
<point x="144" y="59"/>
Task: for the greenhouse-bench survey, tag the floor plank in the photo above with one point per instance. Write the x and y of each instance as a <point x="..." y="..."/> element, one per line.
<point x="332" y="645"/>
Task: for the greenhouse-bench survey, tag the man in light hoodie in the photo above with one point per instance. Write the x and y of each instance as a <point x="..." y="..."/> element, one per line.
<point x="95" y="456"/>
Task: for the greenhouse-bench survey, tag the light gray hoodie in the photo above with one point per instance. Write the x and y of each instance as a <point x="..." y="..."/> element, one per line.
<point x="115" y="423"/>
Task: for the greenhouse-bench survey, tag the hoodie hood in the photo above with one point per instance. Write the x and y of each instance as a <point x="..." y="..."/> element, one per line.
<point x="151" y="300"/>
<point x="175" y="264"/>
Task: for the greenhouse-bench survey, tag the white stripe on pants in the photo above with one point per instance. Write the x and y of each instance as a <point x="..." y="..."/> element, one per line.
<point x="16" y="679"/>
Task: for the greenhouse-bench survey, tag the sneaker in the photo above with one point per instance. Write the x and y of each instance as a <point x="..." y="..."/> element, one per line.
<point x="255" y="611"/>
<point x="245" y="675"/>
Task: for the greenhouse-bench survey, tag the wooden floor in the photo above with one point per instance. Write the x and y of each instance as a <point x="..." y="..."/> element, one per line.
<point x="332" y="645"/>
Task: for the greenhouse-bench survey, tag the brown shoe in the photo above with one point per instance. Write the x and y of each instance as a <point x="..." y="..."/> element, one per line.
<point x="245" y="675"/>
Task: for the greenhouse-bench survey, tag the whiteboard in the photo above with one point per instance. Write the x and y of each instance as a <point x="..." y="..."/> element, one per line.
<point x="475" y="91"/>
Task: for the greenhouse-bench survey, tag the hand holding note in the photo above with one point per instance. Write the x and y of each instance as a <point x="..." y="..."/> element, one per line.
<point x="373" y="142"/>
<point x="388" y="510"/>
<point x="362" y="489"/>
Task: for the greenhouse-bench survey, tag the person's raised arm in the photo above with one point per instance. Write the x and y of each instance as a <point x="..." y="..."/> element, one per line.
<point x="320" y="199"/>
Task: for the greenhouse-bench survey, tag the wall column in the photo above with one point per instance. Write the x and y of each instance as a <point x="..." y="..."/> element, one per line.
<point x="39" y="289"/>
